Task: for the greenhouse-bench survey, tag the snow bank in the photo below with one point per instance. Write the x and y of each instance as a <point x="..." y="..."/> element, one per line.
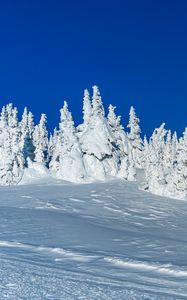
<point x="34" y="173"/>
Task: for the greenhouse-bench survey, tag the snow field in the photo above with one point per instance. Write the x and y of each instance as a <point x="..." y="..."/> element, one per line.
<point x="93" y="241"/>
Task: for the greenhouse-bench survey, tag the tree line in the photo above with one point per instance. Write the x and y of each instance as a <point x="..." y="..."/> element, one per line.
<point x="98" y="149"/>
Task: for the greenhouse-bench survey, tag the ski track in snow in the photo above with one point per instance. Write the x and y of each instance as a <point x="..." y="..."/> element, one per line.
<point x="92" y="241"/>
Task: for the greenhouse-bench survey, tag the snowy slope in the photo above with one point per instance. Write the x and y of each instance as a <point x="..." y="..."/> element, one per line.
<point x="93" y="241"/>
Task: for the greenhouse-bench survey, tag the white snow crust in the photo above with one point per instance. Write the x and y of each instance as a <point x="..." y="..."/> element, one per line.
<point x="94" y="241"/>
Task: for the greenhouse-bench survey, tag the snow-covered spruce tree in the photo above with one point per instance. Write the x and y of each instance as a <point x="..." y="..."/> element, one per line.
<point x="87" y="107"/>
<point x="24" y="122"/>
<point x="131" y="167"/>
<point x="40" y="141"/>
<point x="142" y="176"/>
<point x="67" y="158"/>
<point x="3" y="119"/>
<point x="177" y="185"/>
<point x="52" y="146"/>
<point x="97" y="104"/>
<point x="167" y="156"/>
<point x="27" y="129"/>
<point x="174" y="147"/>
<point x="97" y="142"/>
<point x="154" y="167"/>
<point x="135" y="138"/>
<point x="9" y="110"/>
<point x="121" y="143"/>
<point x="30" y="123"/>
<point x="87" y="113"/>
<point x="145" y="151"/>
<point x="11" y="157"/>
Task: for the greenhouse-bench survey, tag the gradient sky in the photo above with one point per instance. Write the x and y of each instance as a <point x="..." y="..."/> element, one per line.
<point x="134" y="50"/>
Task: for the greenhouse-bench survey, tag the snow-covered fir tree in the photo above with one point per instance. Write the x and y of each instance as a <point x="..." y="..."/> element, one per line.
<point x="87" y="113"/>
<point x="145" y="151"/>
<point x="113" y="120"/>
<point x="53" y="140"/>
<point x="11" y="156"/>
<point x="177" y="185"/>
<point x="27" y="129"/>
<point x="24" y="122"/>
<point x="121" y="142"/>
<point x="174" y="147"/>
<point x="131" y="167"/>
<point x="67" y="158"/>
<point x="154" y="167"/>
<point x="135" y="138"/>
<point x="167" y="157"/>
<point x="97" y="104"/>
<point x="40" y="141"/>
<point x="87" y="107"/>
<point x="98" y="142"/>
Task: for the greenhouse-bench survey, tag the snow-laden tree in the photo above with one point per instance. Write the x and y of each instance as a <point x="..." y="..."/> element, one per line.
<point x="27" y="130"/>
<point x="3" y="127"/>
<point x="131" y="167"/>
<point x="135" y="138"/>
<point x="177" y="185"/>
<point x="97" y="104"/>
<point x="98" y="142"/>
<point x="87" y="113"/>
<point x="113" y="120"/>
<point x="145" y="151"/>
<point x="67" y="158"/>
<point x="52" y="146"/>
<point x="11" y="156"/>
<point x="3" y="119"/>
<point x="13" y="118"/>
<point x="30" y="124"/>
<point x="174" y="147"/>
<point x="40" y="141"/>
<point x="87" y="107"/>
<point x="9" y="109"/>
<point x="167" y="155"/>
<point x="24" y="122"/>
<point x="18" y="160"/>
<point x="142" y="174"/>
<point x="154" y="166"/>
<point x="121" y="143"/>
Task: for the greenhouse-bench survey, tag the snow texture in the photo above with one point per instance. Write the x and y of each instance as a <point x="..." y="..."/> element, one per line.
<point x="93" y="241"/>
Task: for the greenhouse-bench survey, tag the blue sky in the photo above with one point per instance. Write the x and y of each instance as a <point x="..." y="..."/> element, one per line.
<point x="135" y="51"/>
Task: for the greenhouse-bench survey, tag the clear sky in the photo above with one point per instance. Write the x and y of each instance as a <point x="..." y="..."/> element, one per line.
<point x="134" y="50"/>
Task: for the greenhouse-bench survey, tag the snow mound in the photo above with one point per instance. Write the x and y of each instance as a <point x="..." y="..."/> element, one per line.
<point x="34" y="173"/>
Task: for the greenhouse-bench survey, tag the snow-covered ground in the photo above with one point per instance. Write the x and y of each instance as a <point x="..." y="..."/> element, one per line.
<point x="92" y="241"/>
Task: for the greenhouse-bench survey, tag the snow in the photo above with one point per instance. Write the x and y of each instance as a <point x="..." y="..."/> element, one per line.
<point x="93" y="241"/>
<point x="34" y="173"/>
<point x="97" y="149"/>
